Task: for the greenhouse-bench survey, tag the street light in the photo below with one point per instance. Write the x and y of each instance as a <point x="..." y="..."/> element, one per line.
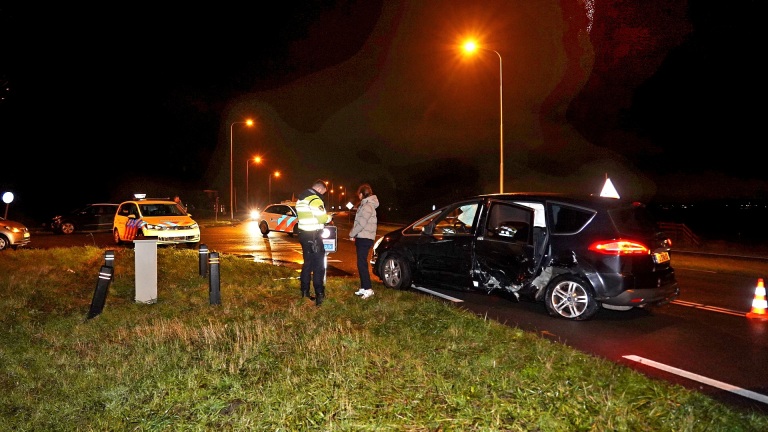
<point x="470" y="47"/>
<point x="274" y="174"/>
<point x="256" y="159"/>
<point x="248" y="122"/>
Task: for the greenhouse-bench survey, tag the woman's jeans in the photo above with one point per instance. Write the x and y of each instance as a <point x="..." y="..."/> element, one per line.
<point x="363" y="247"/>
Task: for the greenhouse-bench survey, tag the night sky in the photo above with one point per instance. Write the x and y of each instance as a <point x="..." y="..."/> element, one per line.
<point x="661" y="96"/>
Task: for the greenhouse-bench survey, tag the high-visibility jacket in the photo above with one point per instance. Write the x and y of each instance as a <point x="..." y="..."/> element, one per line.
<point x="311" y="211"/>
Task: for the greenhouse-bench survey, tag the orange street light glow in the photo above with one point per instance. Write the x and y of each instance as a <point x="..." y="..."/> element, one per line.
<point x="470" y="46"/>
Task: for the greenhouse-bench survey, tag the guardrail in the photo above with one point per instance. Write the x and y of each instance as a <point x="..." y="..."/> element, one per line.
<point x="680" y="233"/>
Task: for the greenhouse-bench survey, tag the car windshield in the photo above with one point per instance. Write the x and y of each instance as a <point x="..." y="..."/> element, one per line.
<point x="161" y="209"/>
<point x="418" y="227"/>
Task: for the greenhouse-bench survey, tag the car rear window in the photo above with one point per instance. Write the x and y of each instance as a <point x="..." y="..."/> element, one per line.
<point x="634" y="219"/>
<point x="569" y="220"/>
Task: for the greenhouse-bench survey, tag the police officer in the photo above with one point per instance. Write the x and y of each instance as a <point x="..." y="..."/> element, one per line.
<point x="312" y="218"/>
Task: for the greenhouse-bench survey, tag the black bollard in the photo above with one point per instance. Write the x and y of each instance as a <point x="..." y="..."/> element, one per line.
<point x="109" y="258"/>
<point x="100" y="294"/>
<point x="109" y="261"/>
<point x="203" y="252"/>
<point x="214" y="294"/>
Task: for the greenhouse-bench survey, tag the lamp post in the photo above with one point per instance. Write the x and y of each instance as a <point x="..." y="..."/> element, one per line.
<point x="328" y="191"/>
<point x="274" y="174"/>
<point x="256" y="159"/>
<point x="7" y="199"/>
<point x="470" y="47"/>
<point x="248" y="122"/>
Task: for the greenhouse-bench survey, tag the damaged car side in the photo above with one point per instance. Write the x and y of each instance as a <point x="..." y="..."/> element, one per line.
<point x="574" y="253"/>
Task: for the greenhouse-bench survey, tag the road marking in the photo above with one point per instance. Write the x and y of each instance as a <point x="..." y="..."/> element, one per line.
<point x="695" y="270"/>
<point x="709" y="308"/>
<point x="702" y="379"/>
<point x="435" y="293"/>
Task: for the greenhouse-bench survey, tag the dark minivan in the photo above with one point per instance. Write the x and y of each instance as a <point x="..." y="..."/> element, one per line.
<point x="574" y="253"/>
<point x="91" y="217"/>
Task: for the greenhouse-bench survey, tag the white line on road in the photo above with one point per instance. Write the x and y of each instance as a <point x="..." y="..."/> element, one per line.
<point x="709" y="381"/>
<point x="695" y="270"/>
<point x="435" y="293"/>
<point x="709" y="308"/>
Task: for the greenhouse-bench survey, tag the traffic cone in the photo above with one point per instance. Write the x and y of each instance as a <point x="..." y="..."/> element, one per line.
<point x="759" y="304"/>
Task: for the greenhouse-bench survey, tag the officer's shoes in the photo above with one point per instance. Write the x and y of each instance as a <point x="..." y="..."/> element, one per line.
<point x="367" y="294"/>
<point x="360" y="292"/>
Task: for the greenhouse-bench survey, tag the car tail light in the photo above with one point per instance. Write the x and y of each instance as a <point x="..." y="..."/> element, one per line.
<point x="619" y="247"/>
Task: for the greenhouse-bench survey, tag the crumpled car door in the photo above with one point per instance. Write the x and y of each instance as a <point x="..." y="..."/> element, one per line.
<point x="504" y="248"/>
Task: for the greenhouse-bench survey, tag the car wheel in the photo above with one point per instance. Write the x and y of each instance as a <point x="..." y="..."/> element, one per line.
<point x="295" y="230"/>
<point x="116" y="237"/>
<point x="264" y="228"/>
<point x="395" y="273"/>
<point x="570" y="297"/>
<point x="67" y="228"/>
<point x="4" y="243"/>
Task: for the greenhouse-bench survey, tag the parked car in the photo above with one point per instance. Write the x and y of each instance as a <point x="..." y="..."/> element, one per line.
<point x="159" y="219"/>
<point x="575" y="254"/>
<point x="92" y="217"/>
<point x="279" y="217"/>
<point x="13" y="234"/>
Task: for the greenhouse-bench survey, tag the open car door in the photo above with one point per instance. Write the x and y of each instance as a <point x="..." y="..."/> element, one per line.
<point x="504" y="249"/>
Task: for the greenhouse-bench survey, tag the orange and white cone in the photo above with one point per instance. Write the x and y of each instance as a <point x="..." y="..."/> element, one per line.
<point x="759" y="304"/>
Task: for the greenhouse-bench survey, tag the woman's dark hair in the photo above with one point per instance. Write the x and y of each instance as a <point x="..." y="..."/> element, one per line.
<point x="365" y="189"/>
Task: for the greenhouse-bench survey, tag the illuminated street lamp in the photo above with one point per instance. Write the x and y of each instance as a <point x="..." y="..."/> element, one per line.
<point x="248" y="122"/>
<point x="470" y="47"/>
<point x="274" y="174"/>
<point x="7" y="199"/>
<point x="256" y="159"/>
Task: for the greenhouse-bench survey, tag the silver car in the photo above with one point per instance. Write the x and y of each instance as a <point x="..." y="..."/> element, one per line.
<point x="13" y="234"/>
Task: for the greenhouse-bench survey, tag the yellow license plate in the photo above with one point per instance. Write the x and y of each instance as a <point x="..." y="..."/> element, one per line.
<point x="661" y="257"/>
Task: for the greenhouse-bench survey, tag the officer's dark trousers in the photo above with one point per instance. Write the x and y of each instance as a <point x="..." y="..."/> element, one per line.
<point x="313" y="269"/>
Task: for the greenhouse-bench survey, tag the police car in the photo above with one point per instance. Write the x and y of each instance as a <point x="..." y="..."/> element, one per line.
<point x="280" y="217"/>
<point x="160" y="219"/>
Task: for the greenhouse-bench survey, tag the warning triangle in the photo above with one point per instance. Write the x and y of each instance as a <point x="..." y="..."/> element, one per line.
<point x="608" y="190"/>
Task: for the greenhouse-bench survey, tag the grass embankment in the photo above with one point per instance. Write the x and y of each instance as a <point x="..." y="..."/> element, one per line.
<point x="264" y="359"/>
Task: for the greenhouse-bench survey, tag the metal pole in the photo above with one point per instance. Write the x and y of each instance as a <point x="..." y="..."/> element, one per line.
<point x="501" y="128"/>
<point x="231" y="199"/>
<point x="270" y="188"/>
<point x="247" y="200"/>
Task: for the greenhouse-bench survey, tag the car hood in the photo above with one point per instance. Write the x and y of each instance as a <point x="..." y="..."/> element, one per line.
<point x="12" y="224"/>
<point x="169" y="220"/>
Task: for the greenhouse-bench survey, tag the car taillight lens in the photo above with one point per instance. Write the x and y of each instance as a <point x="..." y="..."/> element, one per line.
<point x="619" y="247"/>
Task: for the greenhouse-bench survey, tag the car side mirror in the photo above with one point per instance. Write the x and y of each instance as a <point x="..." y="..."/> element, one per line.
<point x="429" y="229"/>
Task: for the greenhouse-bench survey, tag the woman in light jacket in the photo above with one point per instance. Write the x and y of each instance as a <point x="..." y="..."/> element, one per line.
<point x="363" y="233"/>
